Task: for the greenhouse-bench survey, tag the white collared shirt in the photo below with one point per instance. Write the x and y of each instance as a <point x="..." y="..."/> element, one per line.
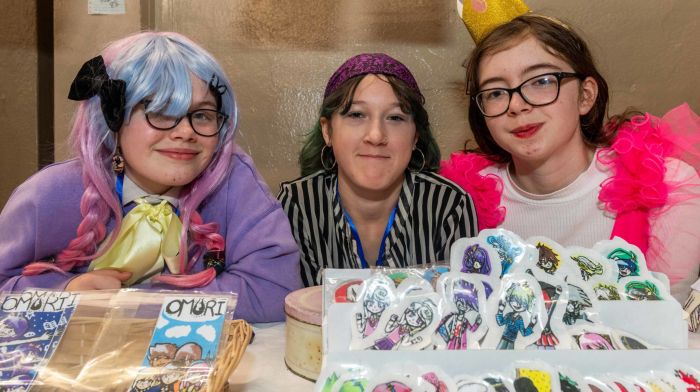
<point x="131" y="192"/>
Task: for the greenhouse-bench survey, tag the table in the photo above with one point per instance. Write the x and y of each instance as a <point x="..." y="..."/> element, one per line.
<point x="262" y="368"/>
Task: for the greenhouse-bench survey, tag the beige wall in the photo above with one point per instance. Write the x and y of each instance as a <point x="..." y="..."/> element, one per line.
<point x="77" y="38"/>
<point x="279" y="55"/>
<point x="18" y="94"/>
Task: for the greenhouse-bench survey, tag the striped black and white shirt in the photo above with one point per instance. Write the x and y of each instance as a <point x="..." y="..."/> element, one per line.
<point x="431" y="214"/>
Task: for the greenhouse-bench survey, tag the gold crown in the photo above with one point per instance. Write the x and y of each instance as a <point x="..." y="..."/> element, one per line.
<point x="482" y="16"/>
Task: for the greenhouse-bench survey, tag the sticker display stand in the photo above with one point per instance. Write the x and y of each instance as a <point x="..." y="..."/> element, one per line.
<point x="659" y="323"/>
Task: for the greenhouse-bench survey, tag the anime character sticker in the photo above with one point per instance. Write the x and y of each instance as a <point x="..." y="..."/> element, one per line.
<point x="594" y="341"/>
<point x="548" y="256"/>
<point x="404" y="377"/>
<point x="533" y="377"/>
<point x="594" y="337"/>
<point x="519" y="308"/>
<point x="553" y="294"/>
<point x="638" y="290"/>
<point x="508" y="246"/>
<point x="607" y="291"/>
<point x="581" y="307"/>
<point x="689" y="377"/>
<point x="569" y="380"/>
<point x="627" y="263"/>
<point x="476" y="260"/>
<point x="547" y="259"/>
<point x="626" y="341"/>
<point x="409" y="325"/>
<point x="628" y="258"/>
<point x="592" y="266"/>
<point x="462" y="326"/>
<point x="473" y="384"/>
<point x="347" y="291"/>
<point x="376" y="294"/>
<point x="343" y="378"/>
<point x="474" y="256"/>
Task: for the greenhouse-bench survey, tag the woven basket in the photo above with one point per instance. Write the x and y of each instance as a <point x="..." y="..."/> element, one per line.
<point x="114" y="366"/>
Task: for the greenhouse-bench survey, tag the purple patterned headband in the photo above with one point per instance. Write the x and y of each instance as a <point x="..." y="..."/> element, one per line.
<point x="371" y="63"/>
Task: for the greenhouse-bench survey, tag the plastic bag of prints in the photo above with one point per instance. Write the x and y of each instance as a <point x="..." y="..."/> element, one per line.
<point x="32" y="326"/>
<point x="107" y="340"/>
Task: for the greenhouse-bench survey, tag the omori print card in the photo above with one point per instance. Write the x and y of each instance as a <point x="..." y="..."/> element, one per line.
<point x="31" y="326"/>
<point x="183" y="348"/>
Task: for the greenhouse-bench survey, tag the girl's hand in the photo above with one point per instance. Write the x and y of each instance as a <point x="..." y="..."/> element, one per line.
<point x="105" y="279"/>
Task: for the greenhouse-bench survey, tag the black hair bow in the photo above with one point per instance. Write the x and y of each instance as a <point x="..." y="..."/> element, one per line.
<point x="91" y="80"/>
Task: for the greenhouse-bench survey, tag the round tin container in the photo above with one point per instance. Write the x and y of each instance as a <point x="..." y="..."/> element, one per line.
<point x="303" y="347"/>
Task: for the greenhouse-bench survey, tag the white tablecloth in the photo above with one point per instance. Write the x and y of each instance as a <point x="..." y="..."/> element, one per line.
<point x="262" y="368"/>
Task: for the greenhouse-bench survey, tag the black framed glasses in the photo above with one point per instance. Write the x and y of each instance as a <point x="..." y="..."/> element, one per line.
<point x="204" y="122"/>
<point x="540" y="90"/>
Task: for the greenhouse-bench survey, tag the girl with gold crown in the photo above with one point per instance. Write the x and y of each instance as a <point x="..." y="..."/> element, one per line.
<point x="159" y="193"/>
<point x="549" y="164"/>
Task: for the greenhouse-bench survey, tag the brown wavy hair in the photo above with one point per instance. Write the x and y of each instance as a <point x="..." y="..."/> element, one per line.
<point x="559" y="40"/>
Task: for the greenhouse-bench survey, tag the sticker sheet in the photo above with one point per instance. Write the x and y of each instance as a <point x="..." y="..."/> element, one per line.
<point x="32" y="324"/>
<point x="184" y="344"/>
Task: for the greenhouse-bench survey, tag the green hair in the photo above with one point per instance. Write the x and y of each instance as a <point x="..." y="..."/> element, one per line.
<point x="410" y="101"/>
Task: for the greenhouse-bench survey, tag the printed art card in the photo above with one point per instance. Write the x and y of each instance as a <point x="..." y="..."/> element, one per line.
<point x="31" y="326"/>
<point x="184" y="345"/>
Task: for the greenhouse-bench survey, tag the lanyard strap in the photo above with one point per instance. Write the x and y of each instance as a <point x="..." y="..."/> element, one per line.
<point x="356" y="235"/>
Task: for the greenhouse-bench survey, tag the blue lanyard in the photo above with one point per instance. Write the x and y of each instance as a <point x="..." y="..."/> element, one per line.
<point x="356" y="236"/>
<point x="119" y="188"/>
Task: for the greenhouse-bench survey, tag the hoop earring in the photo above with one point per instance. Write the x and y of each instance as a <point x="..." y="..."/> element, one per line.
<point x="323" y="161"/>
<point x="118" y="161"/>
<point x="422" y="166"/>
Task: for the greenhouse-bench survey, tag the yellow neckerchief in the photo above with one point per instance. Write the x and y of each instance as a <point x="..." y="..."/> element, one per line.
<point x="148" y="239"/>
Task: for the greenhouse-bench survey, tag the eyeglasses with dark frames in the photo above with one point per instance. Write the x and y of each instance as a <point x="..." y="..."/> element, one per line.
<point x="539" y="90"/>
<point x="204" y="122"/>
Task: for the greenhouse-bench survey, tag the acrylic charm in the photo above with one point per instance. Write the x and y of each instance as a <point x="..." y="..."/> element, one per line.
<point x="582" y="304"/>
<point x="408" y="325"/>
<point x="643" y="289"/>
<point x="463" y="305"/>
<point x="472" y="384"/>
<point x="551" y="257"/>
<point x="395" y="378"/>
<point x="347" y="291"/>
<point x="592" y="338"/>
<point x="688" y="376"/>
<point x="592" y="266"/>
<point x="376" y="295"/>
<point x="628" y="258"/>
<point x="535" y="376"/>
<point x="608" y="291"/>
<point x="555" y="296"/>
<point x="474" y="256"/>
<point x="511" y="249"/>
<point x="516" y="313"/>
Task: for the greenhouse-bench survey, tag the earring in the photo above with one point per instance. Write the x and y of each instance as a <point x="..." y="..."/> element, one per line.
<point x="323" y="161"/>
<point x="118" y="162"/>
<point x="422" y="165"/>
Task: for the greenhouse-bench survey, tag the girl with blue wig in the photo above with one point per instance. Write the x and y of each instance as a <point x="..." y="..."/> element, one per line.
<point x="158" y="194"/>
